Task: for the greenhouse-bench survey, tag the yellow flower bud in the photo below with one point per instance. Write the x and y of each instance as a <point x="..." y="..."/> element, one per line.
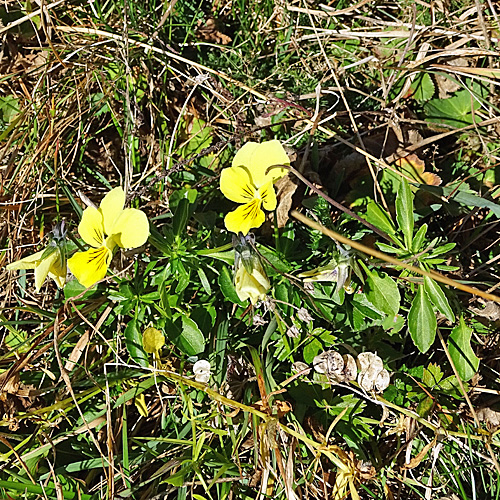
<point x="251" y="285"/>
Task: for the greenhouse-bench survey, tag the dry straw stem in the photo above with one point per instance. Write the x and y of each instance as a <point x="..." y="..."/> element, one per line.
<point x="387" y="258"/>
<point x="27" y="17"/>
<point x="317" y="447"/>
<point x="152" y="48"/>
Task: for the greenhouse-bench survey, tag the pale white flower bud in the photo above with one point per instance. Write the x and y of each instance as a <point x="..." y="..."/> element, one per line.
<point x="201" y="370"/>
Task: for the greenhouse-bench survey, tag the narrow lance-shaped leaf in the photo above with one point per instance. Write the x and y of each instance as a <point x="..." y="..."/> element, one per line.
<point x="438" y="298"/>
<point x="419" y="238"/>
<point x="404" y="212"/>
<point x="380" y="218"/>
<point x="422" y="321"/>
<point x="227" y="287"/>
<point x="462" y="355"/>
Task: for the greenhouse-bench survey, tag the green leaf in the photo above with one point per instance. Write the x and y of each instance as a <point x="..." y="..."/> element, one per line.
<point x="423" y="88"/>
<point x="464" y="359"/>
<point x="451" y="387"/>
<point x="186" y="335"/>
<point x="197" y="134"/>
<point x="404" y="212"/>
<point x="178" y="479"/>
<point x="382" y="291"/>
<point x="422" y="321"/>
<point x="419" y="238"/>
<point x="204" y="281"/>
<point x="425" y="406"/>
<point x="455" y="111"/>
<point x="432" y="375"/>
<point x="377" y="216"/>
<point x="312" y="349"/>
<point x="363" y="313"/>
<point x="181" y="217"/>
<point x="9" y="108"/>
<point x="133" y="341"/>
<point x="438" y="298"/>
<point x="227" y="287"/>
<point x="463" y="197"/>
<point x="73" y="288"/>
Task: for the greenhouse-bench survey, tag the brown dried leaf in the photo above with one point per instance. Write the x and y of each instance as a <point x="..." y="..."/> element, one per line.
<point x="281" y="407"/>
<point x="414" y="167"/>
<point x="448" y="85"/>
<point x="417" y="459"/>
<point x="491" y="311"/>
<point x="285" y="187"/>
<point x="209" y="32"/>
<point x="11" y="385"/>
<point x="490" y="417"/>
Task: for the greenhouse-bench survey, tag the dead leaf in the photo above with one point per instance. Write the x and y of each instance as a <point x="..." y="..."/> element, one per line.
<point x="420" y="456"/>
<point x="286" y="187"/>
<point x="490" y="417"/>
<point x="491" y="311"/>
<point x="414" y="167"/>
<point x="282" y="408"/>
<point x="11" y="385"/>
<point x="209" y="32"/>
<point x="447" y="85"/>
<point x="77" y="351"/>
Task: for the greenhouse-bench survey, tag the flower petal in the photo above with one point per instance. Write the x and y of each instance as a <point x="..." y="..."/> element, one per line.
<point x="268" y="196"/>
<point x="244" y="155"/>
<point x="259" y="157"/>
<point x="58" y="270"/>
<point x="111" y="207"/>
<point x="131" y="229"/>
<point x="90" y="267"/>
<point x="237" y="184"/>
<point x="43" y="268"/>
<point x="251" y="286"/>
<point x="59" y="279"/>
<point x="245" y="217"/>
<point x="29" y="262"/>
<point x="91" y="227"/>
<point x="268" y="154"/>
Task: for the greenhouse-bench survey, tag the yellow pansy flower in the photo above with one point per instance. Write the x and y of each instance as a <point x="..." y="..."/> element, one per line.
<point x="104" y="228"/>
<point x="50" y="261"/>
<point x="250" y="181"/>
<point x="44" y="266"/>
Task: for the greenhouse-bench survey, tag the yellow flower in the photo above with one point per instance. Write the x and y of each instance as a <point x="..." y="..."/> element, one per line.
<point x="253" y="286"/>
<point x="104" y="228"/>
<point x="48" y="262"/>
<point x="250" y="279"/>
<point x="250" y="181"/>
<point x="49" y="265"/>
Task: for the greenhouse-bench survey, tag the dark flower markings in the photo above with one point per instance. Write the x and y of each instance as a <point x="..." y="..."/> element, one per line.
<point x="99" y="235"/>
<point x="100" y="256"/>
<point x="249" y="192"/>
<point x="251" y="209"/>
